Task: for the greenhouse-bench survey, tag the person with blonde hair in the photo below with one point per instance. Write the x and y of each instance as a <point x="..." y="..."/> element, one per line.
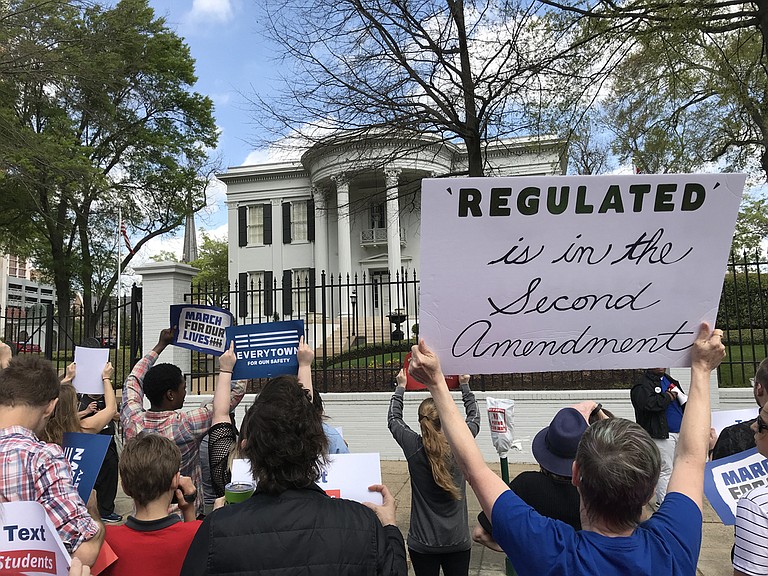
<point x="439" y="532"/>
<point x="66" y="417"/>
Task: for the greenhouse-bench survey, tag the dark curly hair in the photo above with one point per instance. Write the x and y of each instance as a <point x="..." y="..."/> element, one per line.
<point x="159" y="379"/>
<point x="285" y="441"/>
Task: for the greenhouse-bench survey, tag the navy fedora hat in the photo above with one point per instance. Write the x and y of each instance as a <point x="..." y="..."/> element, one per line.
<point x="555" y="446"/>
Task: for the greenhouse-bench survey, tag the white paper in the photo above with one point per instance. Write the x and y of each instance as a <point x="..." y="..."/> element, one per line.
<point x="345" y="476"/>
<point x="90" y="365"/>
<point x="241" y="471"/>
<point x="29" y="542"/>
<point x="349" y="475"/>
<point x="623" y="286"/>
<point x="724" y="418"/>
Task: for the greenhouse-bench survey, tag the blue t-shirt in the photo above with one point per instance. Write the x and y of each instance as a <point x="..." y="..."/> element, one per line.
<point x="674" y="410"/>
<point x="668" y="543"/>
<point x="336" y="444"/>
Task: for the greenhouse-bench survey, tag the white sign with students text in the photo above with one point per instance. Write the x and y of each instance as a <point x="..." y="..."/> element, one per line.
<point x="29" y="544"/>
<point x="547" y="273"/>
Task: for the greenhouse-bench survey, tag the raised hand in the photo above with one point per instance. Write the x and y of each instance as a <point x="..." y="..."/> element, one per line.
<point x="425" y="365"/>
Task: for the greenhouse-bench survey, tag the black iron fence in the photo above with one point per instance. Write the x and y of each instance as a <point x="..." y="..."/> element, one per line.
<point x="743" y="315"/>
<point x="44" y="331"/>
<point x="361" y="328"/>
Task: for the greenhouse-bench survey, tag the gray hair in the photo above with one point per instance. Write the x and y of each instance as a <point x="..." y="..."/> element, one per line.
<point x="619" y="466"/>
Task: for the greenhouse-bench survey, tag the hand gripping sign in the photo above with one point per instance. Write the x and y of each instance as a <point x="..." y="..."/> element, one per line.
<point x="501" y="421"/>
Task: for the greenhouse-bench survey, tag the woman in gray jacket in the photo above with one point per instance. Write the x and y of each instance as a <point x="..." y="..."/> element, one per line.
<point x="439" y="532"/>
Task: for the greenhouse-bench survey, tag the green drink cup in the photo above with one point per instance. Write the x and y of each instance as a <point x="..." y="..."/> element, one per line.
<point x="236" y="492"/>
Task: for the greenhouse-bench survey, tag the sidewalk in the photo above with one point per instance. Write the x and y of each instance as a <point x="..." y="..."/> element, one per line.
<point x="715" y="558"/>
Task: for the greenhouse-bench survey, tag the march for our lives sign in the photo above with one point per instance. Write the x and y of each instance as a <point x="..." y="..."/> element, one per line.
<point x="201" y="328"/>
<point x="728" y="479"/>
<point x="85" y="453"/>
<point x="265" y="350"/>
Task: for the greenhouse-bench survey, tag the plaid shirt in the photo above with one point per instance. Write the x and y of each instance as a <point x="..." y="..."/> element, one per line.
<point x="185" y="428"/>
<point x="32" y="470"/>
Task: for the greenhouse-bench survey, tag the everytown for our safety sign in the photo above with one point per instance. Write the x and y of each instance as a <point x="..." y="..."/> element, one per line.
<point x="265" y="350"/>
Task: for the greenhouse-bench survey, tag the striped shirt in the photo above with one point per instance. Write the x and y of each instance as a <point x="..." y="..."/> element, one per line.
<point x="185" y="428"/>
<point x="750" y="553"/>
<point x="32" y="470"/>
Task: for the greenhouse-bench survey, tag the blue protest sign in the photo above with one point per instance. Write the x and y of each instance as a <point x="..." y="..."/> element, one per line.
<point x="266" y="350"/>
<point x="200" y="328"/>
<point x="85" y="453"/>
<point x="728" y="479"/>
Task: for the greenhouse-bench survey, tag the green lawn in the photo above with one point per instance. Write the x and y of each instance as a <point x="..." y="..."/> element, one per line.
<point x="386" y="360"/>
<point x="740" y="363"/>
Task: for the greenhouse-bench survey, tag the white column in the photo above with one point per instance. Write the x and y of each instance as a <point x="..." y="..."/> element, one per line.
<point x="393" y="221"/>
<point x="321" y="231"/>
<point x="345" y="246"/>
<point x="164" y="283"/>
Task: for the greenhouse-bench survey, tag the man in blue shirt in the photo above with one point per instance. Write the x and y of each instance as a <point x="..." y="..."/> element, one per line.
<point x="615" y="471"/>
<point x="657" y="409"/>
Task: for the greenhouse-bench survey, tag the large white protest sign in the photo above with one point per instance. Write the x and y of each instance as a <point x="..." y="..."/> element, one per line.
<point x="572" y="272"/>
<point x="90" y="365"/>
<point x="29" y="543"/>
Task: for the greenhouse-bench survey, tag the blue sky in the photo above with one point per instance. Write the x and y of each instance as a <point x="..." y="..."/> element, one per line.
<point x="232" y="59"/>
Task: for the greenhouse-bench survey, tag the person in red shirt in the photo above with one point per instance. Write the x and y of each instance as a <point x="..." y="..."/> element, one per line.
<point x="152" y="541"/>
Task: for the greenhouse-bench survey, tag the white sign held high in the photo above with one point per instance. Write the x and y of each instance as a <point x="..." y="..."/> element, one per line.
<point x="533" y="274"/>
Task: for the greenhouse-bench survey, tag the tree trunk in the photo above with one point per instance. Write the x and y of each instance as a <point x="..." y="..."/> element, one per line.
<point x="471" y="135"/>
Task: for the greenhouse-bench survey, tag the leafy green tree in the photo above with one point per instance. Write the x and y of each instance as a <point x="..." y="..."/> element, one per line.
<point x="213" y="262"/>
<point x="96" y="114"/>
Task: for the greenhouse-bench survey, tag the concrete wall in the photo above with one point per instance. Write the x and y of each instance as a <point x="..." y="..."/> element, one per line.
<point x="363" y="416"/>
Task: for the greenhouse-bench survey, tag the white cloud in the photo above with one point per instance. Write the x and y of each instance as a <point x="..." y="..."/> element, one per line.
<point x="218" y="11"/>
<point x="260" y="156"/>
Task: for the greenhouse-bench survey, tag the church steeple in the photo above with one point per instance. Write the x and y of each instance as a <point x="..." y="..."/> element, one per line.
<point x="190" y="240"/>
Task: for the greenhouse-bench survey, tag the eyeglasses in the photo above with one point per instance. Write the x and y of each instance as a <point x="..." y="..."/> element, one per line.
<point x="594" y="416"/>
<point x="761" y="425"/>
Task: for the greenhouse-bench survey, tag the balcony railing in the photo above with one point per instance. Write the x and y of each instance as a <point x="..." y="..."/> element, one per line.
<point x="378" y="236"/>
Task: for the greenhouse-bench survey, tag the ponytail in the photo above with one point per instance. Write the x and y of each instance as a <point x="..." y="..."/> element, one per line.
<point x="436" y="446"/>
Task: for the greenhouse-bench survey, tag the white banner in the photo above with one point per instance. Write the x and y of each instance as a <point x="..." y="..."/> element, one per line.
<point x="533" y="274"/>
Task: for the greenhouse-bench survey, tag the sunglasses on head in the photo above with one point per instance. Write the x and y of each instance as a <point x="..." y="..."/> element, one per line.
<point x="761" y="425"/>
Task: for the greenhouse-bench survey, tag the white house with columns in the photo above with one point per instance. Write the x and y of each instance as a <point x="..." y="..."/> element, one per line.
<point x="351" y="206"/>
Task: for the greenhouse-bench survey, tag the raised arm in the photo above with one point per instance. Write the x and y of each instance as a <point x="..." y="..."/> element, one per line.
<point x="305" y="356"/>
<point x="470" y="405"/>
<point x="133" y="388"/>
<point x="425" y="367"/>
<point x="221" y="395"/>
<point x="693" y="442"/>
<point x="401" y="432"/>
<point x="95" y="423"/>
